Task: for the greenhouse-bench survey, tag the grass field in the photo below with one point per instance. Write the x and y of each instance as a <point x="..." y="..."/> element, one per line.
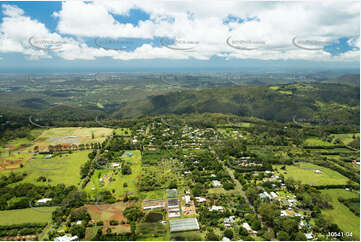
<point x="156" y="194"/>
<point x="346" y="138"/>
<point x="316" y="141"/>
<point x="123" y="131"/>
<point x="119" y="179"/>
<point x="308" y="175"/>
<point x="340" y="214"/>
<point x="26" y="215"/>
<point x="71" y="135"/>
<point x="63" y="169"/>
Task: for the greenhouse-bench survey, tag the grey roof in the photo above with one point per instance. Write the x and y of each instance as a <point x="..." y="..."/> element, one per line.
<point x="186" y="224"/>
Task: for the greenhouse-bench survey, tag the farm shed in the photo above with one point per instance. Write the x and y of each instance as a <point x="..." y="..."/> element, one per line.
<point x="187" y="224"/>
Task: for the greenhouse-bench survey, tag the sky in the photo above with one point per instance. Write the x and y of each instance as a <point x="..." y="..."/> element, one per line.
<point x="154" y="35"/>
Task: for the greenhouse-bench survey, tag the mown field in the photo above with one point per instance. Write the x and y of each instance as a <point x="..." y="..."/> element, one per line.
<point x="26" y="215"/>
<point x="71" y="135"/>
<point x="340" y="214"/>
<point x="64" y="169"/>
<point x="306" y="174"/>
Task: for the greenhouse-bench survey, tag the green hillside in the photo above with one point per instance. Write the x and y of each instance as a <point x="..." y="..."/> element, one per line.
<point x="325" y="103"/>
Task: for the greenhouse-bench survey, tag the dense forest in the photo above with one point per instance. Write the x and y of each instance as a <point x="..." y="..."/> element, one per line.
<point x="322" y="103"/>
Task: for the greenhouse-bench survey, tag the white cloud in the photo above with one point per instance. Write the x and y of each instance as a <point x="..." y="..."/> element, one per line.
<point x="277" y="23"/>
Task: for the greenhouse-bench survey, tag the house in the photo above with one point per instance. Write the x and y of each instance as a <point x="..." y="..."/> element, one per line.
<point x="274" y="195"/>
<point x="317" y="171"/>
<point x="301" y="224"/>
<point x="267" y="195"/>
<point x="115" y="164"/>
<point x="79" y="222"/>
<point x="216" y="183"/>
<point x="225" y="239"/>
<point x="229" y="220"/>
<point x="201" y="199"/>
<point x="66" y="238"/>
<point x="216" y="208"/>
<point x="248" y="228"/>
<point x="43" y="200"/>
<point x="284" y="213"/>
<point x="309" y="236"/>
<point x="187" y="199"/>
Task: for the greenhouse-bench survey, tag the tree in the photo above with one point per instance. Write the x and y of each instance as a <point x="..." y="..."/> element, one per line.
<point x="300" y="237"/>
<point x="243" y="231"/>
<point x="269" y="235"/>
<point x="269" y="212"/>
<point x="211" y="236"/>
<point x="282" y="236"/>
<point x="77" y="230"/>
<point x="228" y="233"/>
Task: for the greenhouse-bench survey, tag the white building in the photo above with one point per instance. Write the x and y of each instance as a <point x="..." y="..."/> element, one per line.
<point x="274" y="195"/>
<point x="187" y="199"/>
<point x="284" y="213"/>
<point x="216" y="208"/>
<point x="248" y="228"/>
<point x="43" y="200"/>
<point x="201" y="199"/>
<point x="66" y="238"/>
<point x="216" y="183"/>
<point x="267" y="195"/>
<point x="309" y="236"/>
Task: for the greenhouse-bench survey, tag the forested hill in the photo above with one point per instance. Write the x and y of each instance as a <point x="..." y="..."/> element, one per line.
<point x="325" y="103"/>
<point x="352" y="80"/>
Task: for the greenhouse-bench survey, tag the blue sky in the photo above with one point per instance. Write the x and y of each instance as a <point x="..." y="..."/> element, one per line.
<point x="181" y="35"/>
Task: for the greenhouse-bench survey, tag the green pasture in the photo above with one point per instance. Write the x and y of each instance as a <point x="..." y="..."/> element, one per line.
<point x="340" y="214"/>
<point x="306" y="174"/>
<point x="26" y="215"/>
<point x="64" y="169"/>
<point x="117" y="178"/>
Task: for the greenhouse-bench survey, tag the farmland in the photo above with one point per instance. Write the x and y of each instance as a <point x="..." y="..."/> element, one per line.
<point x="27" y="215"/>
<point x="306" y="173"/>
<point x="340" y="214"/>
<point x="113" y="179"/>
<point x="130" y="184"/>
